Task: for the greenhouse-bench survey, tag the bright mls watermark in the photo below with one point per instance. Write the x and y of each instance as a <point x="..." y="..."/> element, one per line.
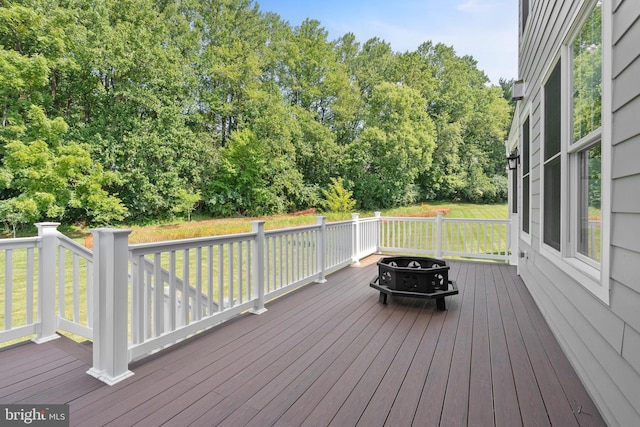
<point x="34" y="415"/>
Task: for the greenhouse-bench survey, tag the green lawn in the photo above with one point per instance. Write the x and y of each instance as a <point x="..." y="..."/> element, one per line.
<point x="195" y="229"/>
<point x="456" y="210"/>
<point x="218" y="227"/>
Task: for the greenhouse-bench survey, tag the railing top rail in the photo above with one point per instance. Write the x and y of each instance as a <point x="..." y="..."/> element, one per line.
<point x="406" y="218"/>
<point x="338" y="223"/>
<point x="290" y="230"/>
<point x="20" y="242"/>
<point x="478" y="220"/>
<point x="75" y="247"/>
<point x="445" y="219"/>
<point x="369" y="219"/>
<point x="174" y="245"/>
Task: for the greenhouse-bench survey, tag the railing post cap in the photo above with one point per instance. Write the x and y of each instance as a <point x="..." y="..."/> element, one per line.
<point x="355" y="216"/>
<point x="46" y="226"/>
<point x="257" y="225"/>
<point x="377" y="214"/>
<point x="321" y="219"/>
<point x="106" y="230"/>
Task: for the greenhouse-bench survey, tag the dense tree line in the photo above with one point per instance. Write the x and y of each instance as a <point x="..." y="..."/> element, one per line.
<point x="139" y="109"/>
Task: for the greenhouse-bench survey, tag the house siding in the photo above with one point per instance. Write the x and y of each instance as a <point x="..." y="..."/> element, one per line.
<point x="601" y="340"/>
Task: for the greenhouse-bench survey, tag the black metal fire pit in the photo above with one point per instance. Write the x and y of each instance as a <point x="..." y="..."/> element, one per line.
<point x="417" y="277"/>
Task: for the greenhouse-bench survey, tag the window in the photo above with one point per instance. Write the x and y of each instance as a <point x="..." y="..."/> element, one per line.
<point x="589" y="209"/>
<point x="552" y="159"/>
<point x="586" y="134"/>
<point x="587" y="76"/>
<point x="526" y="176"/>
<point x="575" y="155"/>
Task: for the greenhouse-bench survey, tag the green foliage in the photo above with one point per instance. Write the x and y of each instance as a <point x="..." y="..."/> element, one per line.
<point x="138" y="109"/>
<point x="587" y="76"/>
<point x="471" y="120"/>
<point x="248" y="182"/>
<point x="395" y="146"/>
<point x="337" y="198"/>
<point x="50" y="178"/>
<point x="482" y="189"/>
<point x="186" y="202"/>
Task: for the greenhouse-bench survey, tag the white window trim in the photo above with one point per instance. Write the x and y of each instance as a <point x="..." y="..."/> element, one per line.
<point x="573" y="160"/>
<point x="607" y="148"/>
<point x="596" y="281"/>
<point x="525" y="114"/>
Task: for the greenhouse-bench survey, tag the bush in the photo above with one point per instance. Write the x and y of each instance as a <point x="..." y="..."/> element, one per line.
<point x="482" y="189"/>
<point x="337" y="198"/>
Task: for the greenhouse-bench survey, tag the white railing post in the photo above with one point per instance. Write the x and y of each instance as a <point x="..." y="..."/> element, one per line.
<point x="355" y="248"/>
<point x="47" y="322"/>
<point x="321" y="248"/>
<point x="439" y="224"/>
<point x="258" y="267"/>
<point x="378" y="230"/>
<point x="110" y="305"/>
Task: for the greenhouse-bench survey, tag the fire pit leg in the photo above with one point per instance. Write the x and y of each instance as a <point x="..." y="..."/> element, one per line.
<point x="440" y="304"/>
<point x="382" y="299"/>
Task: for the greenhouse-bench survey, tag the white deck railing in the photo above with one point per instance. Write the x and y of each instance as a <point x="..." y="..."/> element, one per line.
<point x="47" y="286"/>
<point x="444" y="237"/>
<point x="133" y="300"/>
<point x="20" y="291"/>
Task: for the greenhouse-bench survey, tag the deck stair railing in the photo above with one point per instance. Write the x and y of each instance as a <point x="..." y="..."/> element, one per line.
<point x="134" y="300"/>
<point x="47" y="286"/>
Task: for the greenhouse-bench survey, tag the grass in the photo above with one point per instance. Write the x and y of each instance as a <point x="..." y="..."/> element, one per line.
<point x="183" y="230"/>
<point x="175" y="230"/>
<point x="217" y="227"/>
<point x="456" y="210"/>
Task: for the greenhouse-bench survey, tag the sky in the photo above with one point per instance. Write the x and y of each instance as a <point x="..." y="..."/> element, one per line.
<point x="485" y="29"/>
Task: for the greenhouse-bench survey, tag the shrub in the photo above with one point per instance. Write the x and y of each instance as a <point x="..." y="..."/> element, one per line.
<point x="337" y="198"/>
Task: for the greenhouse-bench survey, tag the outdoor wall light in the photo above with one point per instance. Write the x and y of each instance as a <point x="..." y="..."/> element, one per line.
<point x="514" y="160"/>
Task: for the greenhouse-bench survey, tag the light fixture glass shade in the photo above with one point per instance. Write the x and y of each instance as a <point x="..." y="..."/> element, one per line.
<point x="513" y="159"/>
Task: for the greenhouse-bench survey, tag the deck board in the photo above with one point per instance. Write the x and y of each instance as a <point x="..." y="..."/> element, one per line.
<point x="531" y="405"/>
<point x="331" y="354"/>
<point x="481" y="399"/>
<point x="504" y="388"/>
<point x="432" y="399"/>
<point x="456" y="402"/>
<point x="558" y="409"/>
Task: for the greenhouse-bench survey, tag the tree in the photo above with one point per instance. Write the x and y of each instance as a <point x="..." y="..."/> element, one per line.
<point x="374" y="65"/>
<point x="42" y="174"/>
<point x="252" y="178"/>
<point x="507" y="90"/>
<point x="471" y="118"/>
<point x="229" y="67"/>
<point x="186" y="202"/>
<point x="393" y="149"/>
<point x="48" y="179"/>
<point x="131" y="99"/>
<point x="136" y="107"/>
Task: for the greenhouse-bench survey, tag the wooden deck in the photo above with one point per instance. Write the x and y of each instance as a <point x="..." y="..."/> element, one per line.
<point x="330" y="354"/>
